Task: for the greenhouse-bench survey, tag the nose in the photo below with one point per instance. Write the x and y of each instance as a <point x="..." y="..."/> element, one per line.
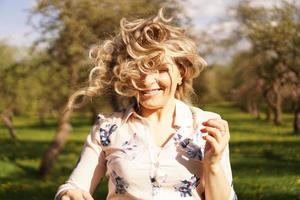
<point x="150" y="79"/>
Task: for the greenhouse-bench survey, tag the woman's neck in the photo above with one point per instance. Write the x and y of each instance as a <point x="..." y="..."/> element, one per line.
<point x="163" y="114"/>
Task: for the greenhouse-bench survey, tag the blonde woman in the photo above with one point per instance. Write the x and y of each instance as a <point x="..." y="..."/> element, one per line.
<point x="159" y="147"/>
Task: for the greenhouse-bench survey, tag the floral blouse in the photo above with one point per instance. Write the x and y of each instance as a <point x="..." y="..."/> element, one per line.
<point x="121" y="147"/>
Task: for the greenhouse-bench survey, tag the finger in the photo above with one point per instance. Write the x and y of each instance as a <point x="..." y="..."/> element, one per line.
<point x="214" y="132"/>
<point x="87" y="196"/>
<point x="221" y="139"/>
<point x="64" y="197"/>
<point x="212" y="142"/>
<point x="227" y="136"/>
<point x="75" y="194"/>
<point x="217" y="123"/>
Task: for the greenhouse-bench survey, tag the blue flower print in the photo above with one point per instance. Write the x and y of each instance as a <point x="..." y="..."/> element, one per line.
<point x="155" y="186"/>
<point x="120" y="184"/>
<point x="130" y="144"/>
<point x="192" y="150"/>
<point x="195" y="181"/>
<point x="106" y="132"/>
<point x="130" y="147"/>
<point x="184" y="143"/>
<point x="177" y="137"/>
<point x="185" y="187"/>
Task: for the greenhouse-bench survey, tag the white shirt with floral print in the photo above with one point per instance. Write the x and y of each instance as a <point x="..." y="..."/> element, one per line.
<point x="121" y="147"/>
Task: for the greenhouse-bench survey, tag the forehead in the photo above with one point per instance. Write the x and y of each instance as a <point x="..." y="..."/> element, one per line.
<point x="169" y="64"/>
<point x="155" y="61"/>
<point x="164" y="62"/>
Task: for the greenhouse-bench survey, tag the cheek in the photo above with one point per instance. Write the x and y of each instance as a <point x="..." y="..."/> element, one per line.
<point x="165" y="81"/>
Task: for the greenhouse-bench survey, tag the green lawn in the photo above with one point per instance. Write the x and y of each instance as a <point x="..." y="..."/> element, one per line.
<point x="265" y="159"/>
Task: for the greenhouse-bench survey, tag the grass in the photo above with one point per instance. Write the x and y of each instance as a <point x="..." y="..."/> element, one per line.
<point x="265" y="159"/>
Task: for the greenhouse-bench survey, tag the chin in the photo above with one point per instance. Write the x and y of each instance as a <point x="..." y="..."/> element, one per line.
<point x="152" y="106"/>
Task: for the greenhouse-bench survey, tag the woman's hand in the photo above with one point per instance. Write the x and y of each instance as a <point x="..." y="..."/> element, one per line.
<point x="75" y="194"/>
<point x="216" y="140"/>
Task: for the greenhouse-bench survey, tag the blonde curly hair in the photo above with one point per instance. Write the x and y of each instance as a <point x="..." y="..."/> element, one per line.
<point x="141" y="48"/>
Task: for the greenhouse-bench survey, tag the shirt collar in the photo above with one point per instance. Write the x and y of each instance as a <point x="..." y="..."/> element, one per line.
<point x="183" y="114"/>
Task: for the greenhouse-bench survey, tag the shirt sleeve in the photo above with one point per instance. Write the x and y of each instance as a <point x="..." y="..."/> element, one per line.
<point x="225" y="159"/>
<point x="225" y="162"/>
<point x="90" y="168"/>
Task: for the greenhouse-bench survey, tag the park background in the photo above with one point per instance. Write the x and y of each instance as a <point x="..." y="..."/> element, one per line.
<point x="252" y="80"/>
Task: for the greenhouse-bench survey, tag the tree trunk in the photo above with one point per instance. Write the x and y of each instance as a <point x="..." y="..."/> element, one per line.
<point x="9" y="125"/>
<point x="269" y="114"/>
<point x="296" y="122"/>
<point x="277" y="108"/>
<point x="274" y="100"/>
<point x="277" y="116"/>
<point x="254" y="109"/>
<point x="257" y="110"/>
<point x="256" y="113"/>
<point x="269" y="110"/>
<point x="51" y="155"/>
<point x="249" y="107"/>
<point x="63" y="130"/>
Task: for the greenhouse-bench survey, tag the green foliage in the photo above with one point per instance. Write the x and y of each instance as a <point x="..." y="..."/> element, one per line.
<point x="273" y="34"/>
<point x="6" y="62"/>
<point x="265" y="159"/>
<point x="211" y="85"/>
<point x="12" y="76"/>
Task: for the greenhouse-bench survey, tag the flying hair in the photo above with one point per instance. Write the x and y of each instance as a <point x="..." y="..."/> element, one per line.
<point x="141" y="47"/>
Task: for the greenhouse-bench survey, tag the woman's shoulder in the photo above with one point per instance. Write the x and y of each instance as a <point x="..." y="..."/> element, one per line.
<point x="114" y="117"/>
<point x="104" y="126"/>
<point x="204" y="114"/>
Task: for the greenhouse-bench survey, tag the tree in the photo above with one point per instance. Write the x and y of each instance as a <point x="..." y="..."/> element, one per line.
<point x="245" y="91"/>
<point x="7" y="92"/>
<point x="272" y="33"/>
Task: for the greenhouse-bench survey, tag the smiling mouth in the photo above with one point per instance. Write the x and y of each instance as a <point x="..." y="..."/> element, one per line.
<point x="151" y="91"/>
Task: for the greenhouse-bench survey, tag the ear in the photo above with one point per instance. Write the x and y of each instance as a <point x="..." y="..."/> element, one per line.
<point x="182" y="72"/>
<point x="179" y="80"/>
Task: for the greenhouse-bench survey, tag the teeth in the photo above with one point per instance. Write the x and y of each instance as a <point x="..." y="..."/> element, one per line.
<point x="151" y="91"/>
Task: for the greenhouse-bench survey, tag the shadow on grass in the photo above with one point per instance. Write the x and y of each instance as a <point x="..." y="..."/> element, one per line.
<point x="28" y="149"/>
<point x="269" y="196"/>
<point x="24" y="182"/>
<point x="24" y="157"/>
<point x="40" y="191"/>
<point x="50" y="124"/>
<point x="278" y="156"/>
<point x="266" y="170"/>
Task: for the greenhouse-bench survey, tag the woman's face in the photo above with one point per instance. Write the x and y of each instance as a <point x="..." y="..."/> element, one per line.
<point x="159" y="87"/>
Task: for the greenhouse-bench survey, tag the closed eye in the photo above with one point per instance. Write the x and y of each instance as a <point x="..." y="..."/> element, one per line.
<point x="163" y="70"/>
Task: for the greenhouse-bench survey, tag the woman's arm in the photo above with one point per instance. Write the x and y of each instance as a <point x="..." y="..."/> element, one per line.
<point x="88" y="171"/>
<point x="217" y="177"/>
<point x="219" y="174"/>
<point x="216" y="184"/>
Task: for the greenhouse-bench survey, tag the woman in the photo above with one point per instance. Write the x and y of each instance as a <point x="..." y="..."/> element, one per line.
<point x="159" y="147"/>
